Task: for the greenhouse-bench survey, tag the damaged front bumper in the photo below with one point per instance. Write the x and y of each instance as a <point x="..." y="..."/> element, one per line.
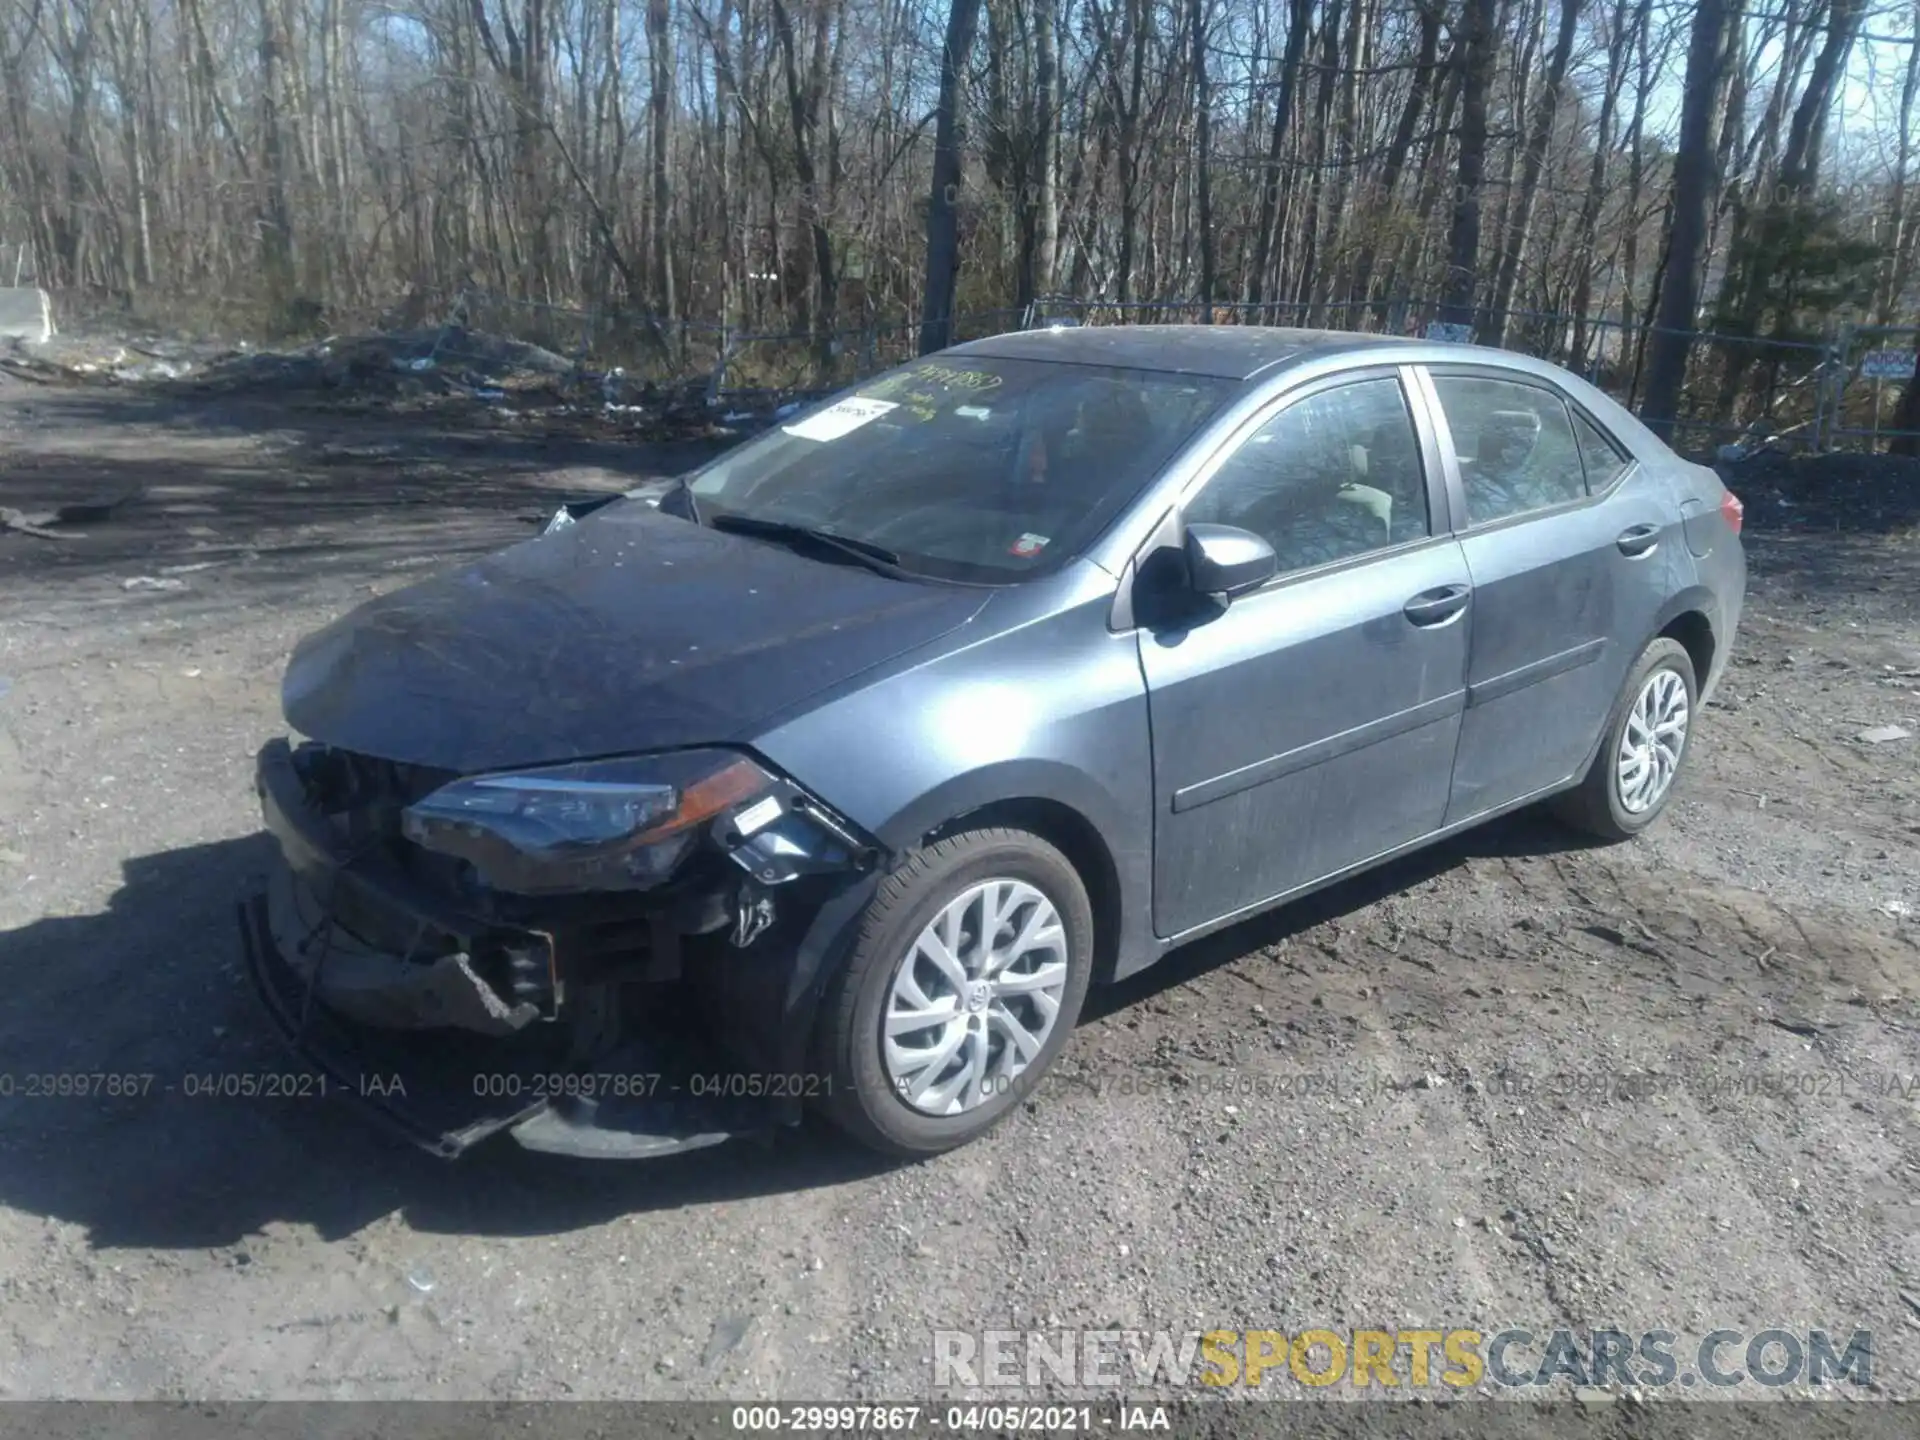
<point x="573" y="1026"/>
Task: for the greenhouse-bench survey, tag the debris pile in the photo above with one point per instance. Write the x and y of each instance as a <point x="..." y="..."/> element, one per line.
<point x="402" y="365"/>
<point x="515" y="383"/>
<point x="1877" y="493"/>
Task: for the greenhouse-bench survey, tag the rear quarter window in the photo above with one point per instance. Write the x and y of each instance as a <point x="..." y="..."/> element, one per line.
<point x="1605" y="459"/>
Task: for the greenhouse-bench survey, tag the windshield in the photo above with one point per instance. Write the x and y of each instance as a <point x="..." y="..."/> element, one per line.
<point x="969" y="468"/>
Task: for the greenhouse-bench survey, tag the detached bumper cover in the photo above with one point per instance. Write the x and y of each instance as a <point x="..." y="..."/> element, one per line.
<point x="379" y="947"/>
<point x="377" y="987"/>
<point x="416" y="1089"/>
<point x="430" y="1047"/>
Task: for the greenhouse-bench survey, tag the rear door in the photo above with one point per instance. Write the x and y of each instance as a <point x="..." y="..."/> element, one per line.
<point x="1569" y="545"/>
<point x="1310" y="725"/>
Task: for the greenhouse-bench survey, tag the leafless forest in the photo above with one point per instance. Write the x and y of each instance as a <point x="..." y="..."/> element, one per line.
<point x="1589" y="179"/>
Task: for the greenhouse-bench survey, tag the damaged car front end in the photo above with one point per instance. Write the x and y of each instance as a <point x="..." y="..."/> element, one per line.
<point x="531" y="950"/>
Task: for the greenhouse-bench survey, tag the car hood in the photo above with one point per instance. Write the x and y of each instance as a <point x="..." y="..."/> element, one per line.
<point x="628" y="631"/>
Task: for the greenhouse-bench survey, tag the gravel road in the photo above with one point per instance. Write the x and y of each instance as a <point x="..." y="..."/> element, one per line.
<point x="1513" y="1080"/>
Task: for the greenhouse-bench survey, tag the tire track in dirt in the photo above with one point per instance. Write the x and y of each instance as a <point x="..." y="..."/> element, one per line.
<point x="1704" y="1142"/>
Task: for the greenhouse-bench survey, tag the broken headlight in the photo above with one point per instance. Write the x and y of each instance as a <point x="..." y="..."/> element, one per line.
<point x="599" y="825"/>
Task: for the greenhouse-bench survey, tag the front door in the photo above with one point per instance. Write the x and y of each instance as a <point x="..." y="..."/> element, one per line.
<point x="1310" y="725"/>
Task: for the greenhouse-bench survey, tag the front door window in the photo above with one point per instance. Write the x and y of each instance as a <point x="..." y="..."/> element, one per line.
<point x="1334" y="475"/>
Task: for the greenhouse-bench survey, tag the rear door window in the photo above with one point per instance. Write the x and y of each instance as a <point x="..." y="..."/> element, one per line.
<point x="1515" y="445"/>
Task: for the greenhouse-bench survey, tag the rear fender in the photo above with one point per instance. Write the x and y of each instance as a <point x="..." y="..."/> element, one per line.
<point x="1693" y="599"/>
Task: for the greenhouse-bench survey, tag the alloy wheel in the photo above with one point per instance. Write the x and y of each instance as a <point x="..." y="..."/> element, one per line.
<point x="975" y="999"/>
<point x="1652" y="741"/>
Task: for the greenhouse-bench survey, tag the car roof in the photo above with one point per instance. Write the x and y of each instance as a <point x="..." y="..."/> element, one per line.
<point x="1246" y="353"/>
<point x="1231" y="352"/>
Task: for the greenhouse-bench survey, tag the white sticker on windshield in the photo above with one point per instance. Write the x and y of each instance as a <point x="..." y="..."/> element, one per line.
<point x="973" y="412"/>
<point x="841" y="419"/>
<point x="1028" y="546"/>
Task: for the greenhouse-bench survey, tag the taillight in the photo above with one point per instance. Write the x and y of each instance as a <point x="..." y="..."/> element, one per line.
<point x="1732" y="511"/>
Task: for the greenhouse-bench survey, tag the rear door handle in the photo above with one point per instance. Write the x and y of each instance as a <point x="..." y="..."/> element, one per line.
<point x="1638" y="540"/>
<point x="1437" y="606"/>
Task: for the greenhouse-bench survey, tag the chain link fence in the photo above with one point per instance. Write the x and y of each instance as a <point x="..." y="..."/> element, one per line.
<point x="1742" y="392"/>
<point x="1872" y="366"/>
<point x="1836" y="392"/>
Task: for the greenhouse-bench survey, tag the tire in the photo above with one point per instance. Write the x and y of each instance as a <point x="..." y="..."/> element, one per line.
<point x="1600" y="805"/>
<point x="873" y="1093"/>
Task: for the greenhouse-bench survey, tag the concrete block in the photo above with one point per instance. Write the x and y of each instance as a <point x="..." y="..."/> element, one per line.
<point x="26" y="313"/>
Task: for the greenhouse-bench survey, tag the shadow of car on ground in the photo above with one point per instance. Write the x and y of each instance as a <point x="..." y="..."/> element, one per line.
<point x="152" y="990"/>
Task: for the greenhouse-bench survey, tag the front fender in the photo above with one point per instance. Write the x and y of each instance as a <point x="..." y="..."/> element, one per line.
<point x="826" y="942"/>
<point x="1053" y="710"/>
<point x="1000" y="783"/>
<point x="772" y="990"/>
<point x="768" y="995"/>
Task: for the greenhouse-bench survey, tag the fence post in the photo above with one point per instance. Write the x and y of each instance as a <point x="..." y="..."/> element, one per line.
<point x="1827" y="419"/>
<point x="718" y="379"/>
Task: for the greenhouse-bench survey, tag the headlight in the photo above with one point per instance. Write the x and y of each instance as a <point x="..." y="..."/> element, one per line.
<point x="602" y="825"/>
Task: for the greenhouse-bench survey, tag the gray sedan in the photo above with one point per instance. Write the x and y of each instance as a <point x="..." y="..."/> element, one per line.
<point x="831" y="776"/>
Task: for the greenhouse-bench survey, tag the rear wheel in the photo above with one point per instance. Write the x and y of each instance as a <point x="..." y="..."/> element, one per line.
<point x="1645" y="744"/>
<point x="965" y="981"/>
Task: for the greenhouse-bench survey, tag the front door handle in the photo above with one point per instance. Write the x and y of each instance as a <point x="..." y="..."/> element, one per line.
<point x="1437" y="606"/>
<point x="1638" y="540"/>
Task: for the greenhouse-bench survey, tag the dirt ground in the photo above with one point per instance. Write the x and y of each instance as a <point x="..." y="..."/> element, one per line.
<point x="1513" y="1080"/>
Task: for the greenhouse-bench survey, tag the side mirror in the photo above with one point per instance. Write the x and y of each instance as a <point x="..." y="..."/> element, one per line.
<point x="1224" y="561"/>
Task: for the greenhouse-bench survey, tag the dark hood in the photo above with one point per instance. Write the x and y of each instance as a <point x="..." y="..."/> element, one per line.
<point x="629" y="631"/>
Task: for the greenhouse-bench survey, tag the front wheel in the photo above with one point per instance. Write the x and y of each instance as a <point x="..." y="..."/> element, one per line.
<point x="965" y="980"/>
<point x="1632" y="777"/>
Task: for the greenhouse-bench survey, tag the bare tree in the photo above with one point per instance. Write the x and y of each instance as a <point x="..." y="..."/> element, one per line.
<point x="1400" y="148"/>
<point x="1695" y="180"/>
<point x="660" y="71"/>
<point x="1197" y="20"/>
<point x="1475" y="59"/>
<point x="806" y="97"/>
<point x="812" y="166"/>
<point x="943" y="248"/>
<point x="1299" y="22"/>
<point x="1533" y="166"/>
<point x="1040" y="233"/>
<point x="1900" y="226"/>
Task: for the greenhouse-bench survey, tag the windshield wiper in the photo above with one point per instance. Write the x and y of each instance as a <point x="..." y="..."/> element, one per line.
<point x="864" y="551"/>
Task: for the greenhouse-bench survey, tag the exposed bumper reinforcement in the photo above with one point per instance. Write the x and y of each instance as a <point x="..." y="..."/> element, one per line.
<point x="447" y="1090"/>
